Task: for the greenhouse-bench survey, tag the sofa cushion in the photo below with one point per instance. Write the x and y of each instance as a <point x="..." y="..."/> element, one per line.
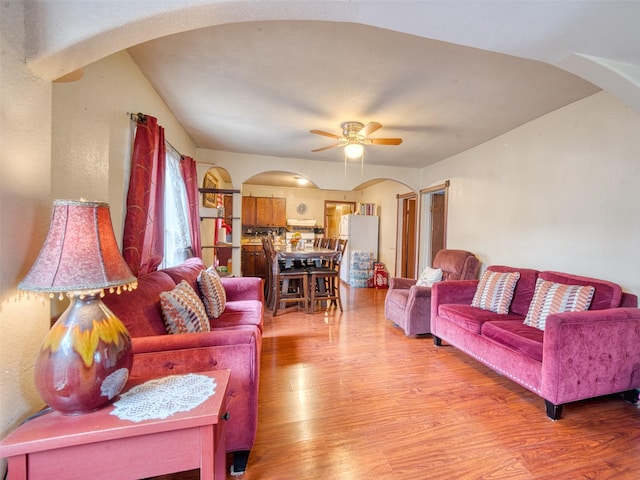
<point x="525" y="287"/>
<point x="495" y="291"/>
<point x="517" y="336"/>
<point x="140" y="309"/>
<point x="606" y="295"/>
<point x="183" y="310"/>
<point x="241" y="312"/>
<point x="188" y="270"/>
<point x="212" y="291"/>
<point x="429" y="276"/>
<point x="551" y="297"/>
<point x="471" y="318"/>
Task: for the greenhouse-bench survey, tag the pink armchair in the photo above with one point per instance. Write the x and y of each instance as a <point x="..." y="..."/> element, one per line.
<point x="409" y="305"/>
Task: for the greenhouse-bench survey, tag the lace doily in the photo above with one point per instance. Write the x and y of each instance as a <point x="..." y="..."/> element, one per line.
<point x="162" y="397"/>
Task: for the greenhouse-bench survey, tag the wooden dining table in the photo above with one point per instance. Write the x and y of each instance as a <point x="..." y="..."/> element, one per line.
<point x="307" y="254"/>
<point x="311" y="253"/>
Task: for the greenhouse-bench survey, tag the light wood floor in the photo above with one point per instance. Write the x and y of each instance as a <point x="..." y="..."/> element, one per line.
<point x="350" y="397"/>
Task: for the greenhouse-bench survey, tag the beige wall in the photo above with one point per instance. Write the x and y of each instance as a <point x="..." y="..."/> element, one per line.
<point x="25" y="137"/>
<point x="559" y="193"/>
<point x="92" y="132"/>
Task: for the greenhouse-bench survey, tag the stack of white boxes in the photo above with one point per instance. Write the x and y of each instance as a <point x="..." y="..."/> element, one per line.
<point x="360" y="268"/>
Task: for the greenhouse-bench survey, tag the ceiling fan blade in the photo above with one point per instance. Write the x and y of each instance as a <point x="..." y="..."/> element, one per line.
<point x="326" y="134"/>
<point x="369" y="128"/>
<point x="385" y="141"/>
<point x="327" y="148"/>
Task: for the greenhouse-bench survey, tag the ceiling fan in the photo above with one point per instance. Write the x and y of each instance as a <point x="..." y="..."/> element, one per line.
<point x="354" y="136"/>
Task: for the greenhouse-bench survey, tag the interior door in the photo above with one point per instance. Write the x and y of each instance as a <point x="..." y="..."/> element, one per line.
<point x="409" y="238"/>
<point x="333" y="212"/>
<point x="437" y="223"/>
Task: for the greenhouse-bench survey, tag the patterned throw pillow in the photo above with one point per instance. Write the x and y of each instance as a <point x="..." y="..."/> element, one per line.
<point x="213" y="295"/>
<point x="429" y="276"/>
<point x="495" y="291"/>
<point x="551" y="297"/>
<point x="183" y="311"/>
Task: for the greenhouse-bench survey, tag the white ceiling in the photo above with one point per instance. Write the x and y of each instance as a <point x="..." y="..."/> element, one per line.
<point x="255" y="76"/>
<point x="259" y="87"/>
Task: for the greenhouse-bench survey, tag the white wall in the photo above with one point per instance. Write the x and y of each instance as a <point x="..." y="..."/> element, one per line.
<point x="558" y="193"/>
<point x="92" y="132"/>
<point x="384" y="195"/>
<point x="25" y="136"/>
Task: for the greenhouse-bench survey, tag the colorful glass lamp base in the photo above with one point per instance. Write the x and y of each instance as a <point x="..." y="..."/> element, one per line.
<point x="85" y="359"/>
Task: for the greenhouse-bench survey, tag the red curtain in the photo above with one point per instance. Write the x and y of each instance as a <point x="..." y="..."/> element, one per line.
<point x="190" y="176"/>
<point x="143" y="241"/>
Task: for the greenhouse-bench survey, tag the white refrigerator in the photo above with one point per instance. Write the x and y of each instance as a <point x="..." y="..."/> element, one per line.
<point x="361" y="233"/>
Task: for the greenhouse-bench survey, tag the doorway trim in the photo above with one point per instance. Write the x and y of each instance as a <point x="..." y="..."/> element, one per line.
<point x="426" y="220"/>
<point x="406" y="234"/>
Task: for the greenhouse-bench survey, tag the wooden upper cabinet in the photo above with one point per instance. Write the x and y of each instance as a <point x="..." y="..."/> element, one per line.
<point x="249" y="211"/>
<point x="279" y="212"/>
<point x="264" y="211"/>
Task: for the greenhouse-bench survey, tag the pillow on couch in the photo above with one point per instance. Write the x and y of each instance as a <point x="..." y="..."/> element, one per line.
<point x="214" y="296"/>
<point x="552" y="297"/>
<point x="429" y="276"/>
<point x="183" y="311"/>
<point x="495" y="291"/>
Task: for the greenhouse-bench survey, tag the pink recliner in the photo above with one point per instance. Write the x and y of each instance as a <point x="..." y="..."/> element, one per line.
<point x="409" y="305"/>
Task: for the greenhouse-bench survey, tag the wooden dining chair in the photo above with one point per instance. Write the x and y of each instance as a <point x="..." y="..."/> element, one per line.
<point x="324" y="281"/>
<point x="289" y="285"/>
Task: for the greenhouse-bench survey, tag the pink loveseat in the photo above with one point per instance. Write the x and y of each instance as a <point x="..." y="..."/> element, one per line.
<point x="234" y="344"/>
<point x="579" y="355"/>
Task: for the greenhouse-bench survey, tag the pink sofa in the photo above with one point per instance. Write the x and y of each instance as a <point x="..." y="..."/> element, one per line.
<point x="579" y="355"/>
<point x="234" y="344"/>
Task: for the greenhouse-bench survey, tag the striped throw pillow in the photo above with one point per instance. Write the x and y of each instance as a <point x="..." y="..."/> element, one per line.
<point x="495" y="291"/>
<point x="214" y="296"/>
<point x="551" y="297"/>
<point x="183" y="311"/>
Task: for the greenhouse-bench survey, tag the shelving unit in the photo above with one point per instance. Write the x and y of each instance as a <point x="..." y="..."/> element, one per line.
<point x="225" y="209"/>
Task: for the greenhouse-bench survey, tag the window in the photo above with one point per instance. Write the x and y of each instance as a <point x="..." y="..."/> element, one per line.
<point x="177" y="238"/>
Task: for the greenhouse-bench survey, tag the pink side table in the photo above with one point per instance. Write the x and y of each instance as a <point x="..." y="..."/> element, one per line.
<point x="101" y="446"/>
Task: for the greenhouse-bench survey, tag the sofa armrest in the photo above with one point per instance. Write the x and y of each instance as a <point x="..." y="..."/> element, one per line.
<point x="169" y="342"/>
<point x="237" y="350"/>
<point x="589" y="354"/>
<point x="401" y="283"/>
<point x="243" y="288"/>
<point x="453" y="291"/>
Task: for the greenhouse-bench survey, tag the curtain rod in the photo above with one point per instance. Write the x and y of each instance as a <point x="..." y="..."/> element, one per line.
<point x="141" y="117"/>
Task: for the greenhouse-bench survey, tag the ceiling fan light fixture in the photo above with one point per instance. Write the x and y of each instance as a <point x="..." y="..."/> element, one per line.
<point x="353" y="150"/>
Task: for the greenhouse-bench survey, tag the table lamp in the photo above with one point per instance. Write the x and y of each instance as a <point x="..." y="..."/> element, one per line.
<point x="85" y="359"/>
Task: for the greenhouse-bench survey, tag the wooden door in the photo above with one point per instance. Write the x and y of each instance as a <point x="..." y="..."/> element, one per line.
<point x="408" y="241"/>
<point x="437" y="223"/>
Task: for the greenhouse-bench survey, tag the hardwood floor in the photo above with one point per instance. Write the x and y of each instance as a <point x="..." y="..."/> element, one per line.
<point x="347" y="396"/>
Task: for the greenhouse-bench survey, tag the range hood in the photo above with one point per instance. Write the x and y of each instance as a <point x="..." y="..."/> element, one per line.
<point x="300" y="223"/>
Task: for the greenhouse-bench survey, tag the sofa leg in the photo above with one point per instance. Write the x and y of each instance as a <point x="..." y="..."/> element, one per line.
<point x="631" y="396"/>
<point x="554" y="412"/>
<point x="437" y="341"/>
<point x="240" y="459"/>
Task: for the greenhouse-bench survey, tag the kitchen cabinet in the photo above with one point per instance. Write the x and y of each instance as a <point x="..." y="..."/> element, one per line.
<point x="264" y="211"/>
<point x="249" y="211"/>
<point x="254" y="261"/>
